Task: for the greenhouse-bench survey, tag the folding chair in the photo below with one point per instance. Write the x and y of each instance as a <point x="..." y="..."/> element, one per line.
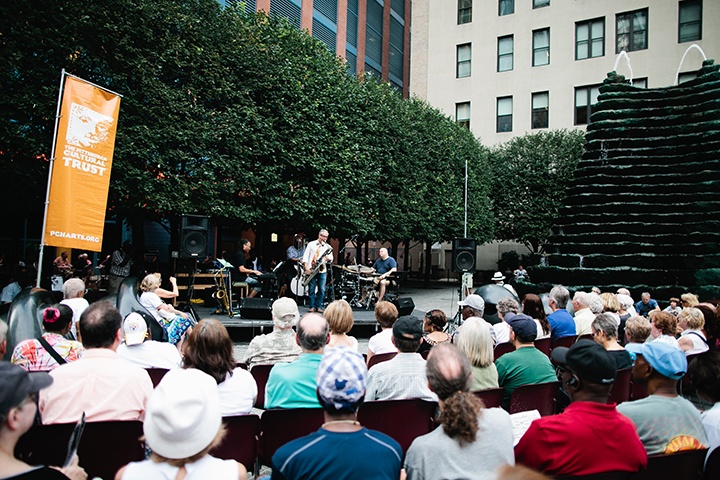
<point x="685" y="465"/>
<point x="281" y="425"/>
<point x="156" y="374"/>
<point x="241" y="440"/>
<point x="536" y="396"/>
<point x="620" y="391"/>
<point x="380" y="357"/>
<point x="712" y="465"/>
<point x="261" y="373"/>
<point x="491" y="397"/>
<point x="403" y="420"/>
<point x="599" y="476"/>
<point x="544" y="345"/>
<point x="502" y="348"/>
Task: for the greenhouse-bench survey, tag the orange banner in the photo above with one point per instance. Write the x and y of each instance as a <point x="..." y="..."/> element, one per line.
<point x="81" y="171"/>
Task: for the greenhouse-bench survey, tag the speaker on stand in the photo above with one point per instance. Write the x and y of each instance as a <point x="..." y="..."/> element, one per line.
<point x="194" y="236"/>
<point x="464" y="255"/>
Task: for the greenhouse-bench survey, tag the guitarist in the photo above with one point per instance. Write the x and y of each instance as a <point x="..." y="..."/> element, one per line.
<point x="385" y="266"/>
<point x="317" y="252"/>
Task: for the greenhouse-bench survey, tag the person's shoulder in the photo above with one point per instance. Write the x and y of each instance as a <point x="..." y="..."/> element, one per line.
<point x="384" y="439"/>
<point x="635" y="406"/>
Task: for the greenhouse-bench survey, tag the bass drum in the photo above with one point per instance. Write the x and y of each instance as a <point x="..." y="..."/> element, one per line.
<point x="296" y="283"/>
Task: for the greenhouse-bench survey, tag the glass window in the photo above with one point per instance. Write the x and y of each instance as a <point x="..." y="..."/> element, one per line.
<point x="631" y="31"/>
<point x="639" y="82"/>
<point x="541" y="47"/>
<point x="585" y="99"/>
<point x="690" y="26"/>
<point x="464" y="54"/>
<point x="590" y="39"/>
<point x="540" y="3"/>
<point x="464" y="11"/>
<point x="504" y="114"/>
<point x="505" y="54"/>
<point x="540" y="109"/>
<point x="462" y="114"/>
<point x="506" y="7"/>
<point x="686" y="77"/>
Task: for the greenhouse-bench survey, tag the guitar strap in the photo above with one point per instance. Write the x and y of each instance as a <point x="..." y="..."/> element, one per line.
<point x="317" y="253"/>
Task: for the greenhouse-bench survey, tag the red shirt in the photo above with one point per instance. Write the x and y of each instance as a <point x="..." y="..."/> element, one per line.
<point x="587" y="438"/>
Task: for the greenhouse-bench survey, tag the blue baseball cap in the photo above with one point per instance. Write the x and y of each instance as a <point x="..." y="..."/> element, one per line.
<point x="667" y="360"/>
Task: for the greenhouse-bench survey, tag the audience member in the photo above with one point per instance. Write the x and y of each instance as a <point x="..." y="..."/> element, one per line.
<point x="3" y="338"/>
<point x="99" y="384"/>
<point x="689" y="300"/>
<point x="209" y="349"/>
<point x="475" y="341"/>
<point x="604" y="331"/>
<point x="532" y="306"/>
<point x="704" y="371"/>
<point x="664" y="328"/>
<point x="631" y="308"/>
<point x="23" y="279"/>
<point x="73" y="297"/>
<point x="292" y="385"/>
<point x="611" y="306"/>
<point x="121" y="262"/>
<point x="646" y="305"/>
<point x="712" y="324"/>
<point x="52" y="349"/>
<point x="280" y="344"/>
<point x="434" y="323"/>
<point x="183" y="423"/>
<point x="526" y="365"/>
<point x="692" y="339"/>
<point x="666" y="422"/>
<point x="583" y="315"/>
<point x="404" y="375"/>
<point x="595" y="303"/>
<point x="626" y="307"/>
<point x="561" y="322"/>
<point x="590" y="436"/>
<point x="498" y="279"/>
<point x="341" y="448"/>
<point x="167" y="294"/>
<point x="18" y="407"/>
<point x="473" y="442"/>
<point x="139" y="349"/>
<point x="339" y="316"/>
<point x="386" y="314"/>
<point x="472" y="306"/>
<point x="674" y="306"/>
<point x="637" y="330"/>
<point x="501" y="330"/>
<point x="175" y="322"/>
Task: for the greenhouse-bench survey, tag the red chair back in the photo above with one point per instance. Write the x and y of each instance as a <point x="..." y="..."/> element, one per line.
<point x="241" y="440"/>
<point x="536" y="396"/>
<point x="503" y="348"/>
<point x="620" y="391"/>
<point x="491" y="397"/>
<point x="380" y="357"/>
<point x="544" y="345"/>
<point x="260" y="373"/>
<point x="104" y="446"/>
<point x="156" y="374"/>
<point x="279" y="426"/>
<point x="403" y="420"/>
<point x="686" y="465"/>
<point x="562" y="342"/>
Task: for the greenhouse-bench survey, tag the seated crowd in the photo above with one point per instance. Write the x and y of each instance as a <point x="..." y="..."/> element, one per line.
<point x="315" y="364"/>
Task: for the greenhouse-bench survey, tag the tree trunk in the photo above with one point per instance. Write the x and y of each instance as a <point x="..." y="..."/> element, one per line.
<point x="428" y="262"/>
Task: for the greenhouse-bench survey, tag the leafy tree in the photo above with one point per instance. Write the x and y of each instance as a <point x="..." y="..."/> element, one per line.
<point x="530" y="177"/>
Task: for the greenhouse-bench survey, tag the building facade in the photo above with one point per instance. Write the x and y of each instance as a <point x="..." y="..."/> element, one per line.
<point x="510" y="67"/>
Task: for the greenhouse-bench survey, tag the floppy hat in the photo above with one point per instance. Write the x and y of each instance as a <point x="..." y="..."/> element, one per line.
<point x="134" y="329"/>
<point x="473" y="301"/>
<point x="183" y="414"/>
<point x="16" y="384"/>
<point x="668" y="360"/>
<point x="589" y="360"/>
<point x="497" y="277"/>
<point x="341" y="377"/>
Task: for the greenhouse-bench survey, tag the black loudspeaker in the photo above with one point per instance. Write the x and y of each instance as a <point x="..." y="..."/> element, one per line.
<point x="257" y="308"/>
<point x="464" y="255"/>
<point x="194" y="236"/>
<point x="405" y="306"/>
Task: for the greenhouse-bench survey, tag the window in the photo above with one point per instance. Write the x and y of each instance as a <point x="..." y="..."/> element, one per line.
<point x="686" y="77"/>
<point x="505" y="54"/>
<point x="639" y="82"/>
<point x="464" y="11"/>
<point x="540" y="109"/>
<point x="590" y="39"/>
<point x="541" y="3"/>
<point x="690" y="26"/>
<point x="585" y="99"/>
<point x="506" y="7"/>
<point x="464" y="54"/>
<point x="462" y="114"/>
<point x="541" y="47"/>
<point x="631" y="31"/>
<point x="504" y="114"/>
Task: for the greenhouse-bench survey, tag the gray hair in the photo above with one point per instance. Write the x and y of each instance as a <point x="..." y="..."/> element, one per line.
<point x="583" y="298"/>
<point x="606" y="324"/>
<point x="474" y="338"/>
<point x="625" y="301"/>
<point x="72" y="287"/>
<point x="560" y="295"/>
<point x="507" y="305"/>
<point x="595" y="302"/>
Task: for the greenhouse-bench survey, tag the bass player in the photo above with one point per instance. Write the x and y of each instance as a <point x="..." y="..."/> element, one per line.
<point x="317" y="256"/>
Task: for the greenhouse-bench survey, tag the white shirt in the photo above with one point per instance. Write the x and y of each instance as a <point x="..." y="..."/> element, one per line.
<point x="583" y="321"/>
<point x="312" y="247"/>
<point x="668" y="339"/>
<point x="237" y="393"/>
<point x="78" y="306"/>
<point x="382" y="342"/>
<point x="711" y="423"/>
<point x="151" y="354"/>
<point x="501" y="332"/>
<point x="698" y="340"/>
<point x="151" y="301"/>
<point x="401" y="377"/>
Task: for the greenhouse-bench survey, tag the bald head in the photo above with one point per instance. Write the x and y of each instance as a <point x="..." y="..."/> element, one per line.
<point x="312" y="333"/>
<point x="448" y="370"/>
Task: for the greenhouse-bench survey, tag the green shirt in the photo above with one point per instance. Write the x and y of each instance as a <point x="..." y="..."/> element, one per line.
<point x="524" y="366"/>
<point x="292" y="385"/>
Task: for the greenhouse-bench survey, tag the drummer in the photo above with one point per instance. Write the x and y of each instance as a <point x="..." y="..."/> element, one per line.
<point x="385" y="266"/>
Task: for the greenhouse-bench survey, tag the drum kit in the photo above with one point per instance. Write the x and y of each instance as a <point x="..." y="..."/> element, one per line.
<point x="357" y="285"/>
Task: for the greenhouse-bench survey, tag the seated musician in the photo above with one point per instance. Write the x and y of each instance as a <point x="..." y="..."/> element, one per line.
<point x="385" y="266"/>
<point x="239" y="261"/>
<point x="63" y="266"/>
